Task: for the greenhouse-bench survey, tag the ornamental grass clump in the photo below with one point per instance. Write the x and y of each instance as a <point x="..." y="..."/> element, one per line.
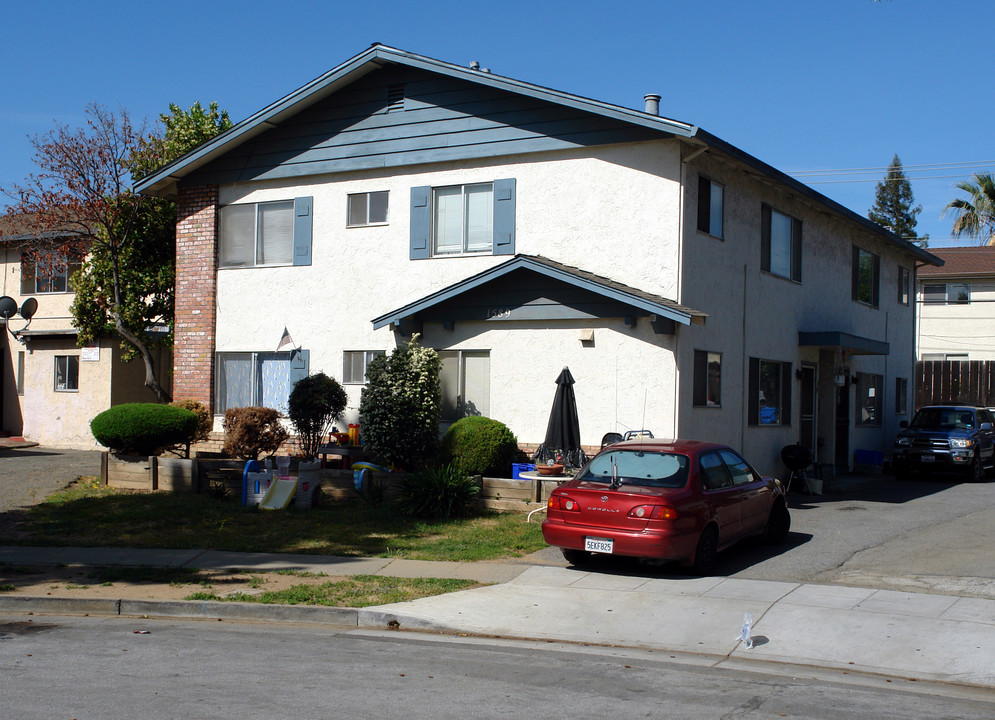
<point x="143" y="428"/>
<point x="478" y="445"/>
<point x="442" y="493"/>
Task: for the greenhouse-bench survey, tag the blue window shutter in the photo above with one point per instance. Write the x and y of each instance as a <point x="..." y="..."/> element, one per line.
<point x="421" y="223"/>
<point x="299" y="360"/>
<point x="302" y="231"/>
<point x="504" y="217"/>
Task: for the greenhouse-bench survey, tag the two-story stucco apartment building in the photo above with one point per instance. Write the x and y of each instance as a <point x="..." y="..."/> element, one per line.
<point x="690" y="288"/>
<point x="50" y="388"/>
<point x="957" y="305"/>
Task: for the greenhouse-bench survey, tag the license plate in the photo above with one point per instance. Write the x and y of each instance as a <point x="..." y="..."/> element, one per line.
<point x="599" y="545"/>
<point x="926" y="458"/>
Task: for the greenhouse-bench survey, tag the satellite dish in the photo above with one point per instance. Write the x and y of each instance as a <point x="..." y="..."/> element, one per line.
<point x="28" y="308"/>
<point x="8" y="307"/>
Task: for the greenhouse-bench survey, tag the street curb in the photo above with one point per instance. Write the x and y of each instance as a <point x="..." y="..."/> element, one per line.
<point x="71" y="606"/>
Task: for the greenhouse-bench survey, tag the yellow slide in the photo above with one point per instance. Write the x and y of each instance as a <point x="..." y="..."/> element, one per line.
<point x="279" y="495"/>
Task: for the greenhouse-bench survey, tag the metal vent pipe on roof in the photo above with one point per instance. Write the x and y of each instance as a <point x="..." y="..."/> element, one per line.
<point x="474" y="65"/>
<point x="652" y="103"/>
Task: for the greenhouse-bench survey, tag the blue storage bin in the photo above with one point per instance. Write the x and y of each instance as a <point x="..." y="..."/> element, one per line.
<point x="518" y="468"/>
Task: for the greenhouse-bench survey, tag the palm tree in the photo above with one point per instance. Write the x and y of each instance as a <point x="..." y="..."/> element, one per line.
<point x="975" y="215"/>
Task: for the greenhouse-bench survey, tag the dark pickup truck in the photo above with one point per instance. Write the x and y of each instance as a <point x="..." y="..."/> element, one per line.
<point x="946" y="438"/>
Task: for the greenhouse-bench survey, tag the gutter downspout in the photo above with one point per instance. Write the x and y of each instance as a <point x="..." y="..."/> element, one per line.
<point x="680" y="274"/>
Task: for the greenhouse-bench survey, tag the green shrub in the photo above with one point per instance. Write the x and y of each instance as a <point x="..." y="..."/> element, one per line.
<point x="400" y="406"/>
<point x="143" y="428"/>
<point x="442" y="493"/>
<point x="315" y="403"/>
<point x="477" y="445"/>
<point x="252" y="431"/>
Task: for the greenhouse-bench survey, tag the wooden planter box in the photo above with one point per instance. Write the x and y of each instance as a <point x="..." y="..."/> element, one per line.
<point x="132" y="472"/>
<point x="176" y="474"/>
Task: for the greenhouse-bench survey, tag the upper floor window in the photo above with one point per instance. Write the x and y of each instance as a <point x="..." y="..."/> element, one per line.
<point x="865" y="276"/>
<point x="47" y="272"/>
<point x="355" y="363"/>
<point x="781" y="244"/>
<point x="947" y="294"/>
<point x="367" y="209"/>
<point x="710" y="196"/>
<point x="266" y="234"/>
<point x="904" y="283"/>
<point x="463" y="219"/>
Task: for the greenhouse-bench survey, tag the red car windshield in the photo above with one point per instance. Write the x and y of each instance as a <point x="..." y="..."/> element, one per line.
<point x="638" y="467"/>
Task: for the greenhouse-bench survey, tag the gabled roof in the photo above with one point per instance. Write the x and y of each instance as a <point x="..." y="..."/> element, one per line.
<point x="604" y="287"/>
<point x="977" y="261"/>
<point x="377" y="56"/>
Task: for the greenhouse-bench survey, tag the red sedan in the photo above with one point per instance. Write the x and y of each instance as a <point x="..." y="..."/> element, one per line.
<point x="679" y="500"/>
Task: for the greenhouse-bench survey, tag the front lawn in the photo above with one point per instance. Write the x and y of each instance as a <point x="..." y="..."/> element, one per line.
<point x="87" y="514"/>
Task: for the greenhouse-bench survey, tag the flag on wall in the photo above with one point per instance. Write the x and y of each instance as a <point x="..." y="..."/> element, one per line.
<point x="285" y="340"/>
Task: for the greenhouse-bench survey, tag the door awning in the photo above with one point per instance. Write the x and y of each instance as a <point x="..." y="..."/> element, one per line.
<point x="852" y="344"/>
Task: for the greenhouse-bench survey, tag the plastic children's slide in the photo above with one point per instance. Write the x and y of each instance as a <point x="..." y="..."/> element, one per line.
<point x="280" y="494"/>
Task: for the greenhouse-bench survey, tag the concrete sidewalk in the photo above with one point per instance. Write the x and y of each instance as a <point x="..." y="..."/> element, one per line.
<point x="913" y="636"/>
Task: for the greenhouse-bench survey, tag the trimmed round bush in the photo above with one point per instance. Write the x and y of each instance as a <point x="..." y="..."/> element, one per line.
<point x="477" y="445"/>
<point x="143" y="428"/>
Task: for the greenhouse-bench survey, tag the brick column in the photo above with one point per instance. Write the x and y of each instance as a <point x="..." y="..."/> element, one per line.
<point x="196" y="294"/>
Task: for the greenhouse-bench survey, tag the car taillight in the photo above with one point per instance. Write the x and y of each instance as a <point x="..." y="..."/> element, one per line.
<point x="561" y="502"/>
<point x="653" y="512"/>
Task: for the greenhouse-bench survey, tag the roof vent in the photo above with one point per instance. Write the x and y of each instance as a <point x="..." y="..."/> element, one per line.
<point x="474" y="65"/>
<point x="485" y="70"/>
<point x="652" y="103"/>
<point x="395" y="98"/>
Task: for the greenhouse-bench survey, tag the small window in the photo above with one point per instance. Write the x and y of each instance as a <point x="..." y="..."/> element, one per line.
<point x="710" y="198"/>
<point x="20" y="372"/>
<point x="869" y="398"/>
<point x="66" y="373"/>
<point x="901" y="396"/>
<point x="46" y="272"/>
<point x="947" y="294"/>
<point x="781" y="244"/>
<point x="904" y="285"/>
<point x="739" y="469"/>
<point x="355" y="363"/>
<point x="707" y="379"/>
<point x="770" y="392"/>
<point x="865" y="274"/>
<point x="714" y="475"/>
<point x="367" y="209"/>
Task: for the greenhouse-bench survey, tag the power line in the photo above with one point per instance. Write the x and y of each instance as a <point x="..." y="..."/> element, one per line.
<point x="866" y="180"/>
<point x="933" y="166"/>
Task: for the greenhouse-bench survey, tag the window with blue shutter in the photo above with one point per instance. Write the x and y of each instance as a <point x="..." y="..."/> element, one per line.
<point x="463" y="219"/>
<point x="266" y="234"/>
<point x="302" y="231"/>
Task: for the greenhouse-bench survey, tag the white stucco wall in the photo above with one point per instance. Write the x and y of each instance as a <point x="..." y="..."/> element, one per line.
<point x="615" y="214"/>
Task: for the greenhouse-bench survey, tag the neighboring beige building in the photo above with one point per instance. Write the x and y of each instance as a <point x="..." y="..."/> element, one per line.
<point x="690" y="288"/>
<point x="50" y="388"/>
<point x="957" y="305"/>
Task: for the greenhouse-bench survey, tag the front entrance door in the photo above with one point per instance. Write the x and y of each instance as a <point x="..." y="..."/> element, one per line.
<point x="807" y="431"/>
<point x="842" y="458"/>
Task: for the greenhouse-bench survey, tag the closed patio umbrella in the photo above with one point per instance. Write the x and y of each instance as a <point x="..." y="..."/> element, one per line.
<point x="563" y="430"/>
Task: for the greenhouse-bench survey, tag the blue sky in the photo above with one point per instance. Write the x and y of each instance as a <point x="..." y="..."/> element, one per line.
<point x="802" y="85"/>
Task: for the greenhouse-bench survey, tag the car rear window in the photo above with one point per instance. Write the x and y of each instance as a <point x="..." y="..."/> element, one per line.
<point x="638" y="467"/>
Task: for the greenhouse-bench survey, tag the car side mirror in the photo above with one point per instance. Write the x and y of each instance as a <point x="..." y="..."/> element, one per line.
<point x="904" y="424"/>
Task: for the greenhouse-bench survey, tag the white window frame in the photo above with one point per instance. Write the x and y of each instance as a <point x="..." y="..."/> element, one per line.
<point x="458" y="404"/>
<point x="948" y="296"/>
<point x="465" y="247"/>
<point x="256" y="239"/>
<point x="67" y="367"/>
<point x="49" y="259"/>
<point x="363" y="203"/>
<point x="349" y="358"/>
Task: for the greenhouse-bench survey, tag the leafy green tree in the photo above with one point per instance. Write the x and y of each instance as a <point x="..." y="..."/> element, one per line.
<point x="894" y="207"/>
<point x="974" y="215"/>
<point x="400" y="406"/>
<point x="80" y="205"/>
<point x="315" y="403"/>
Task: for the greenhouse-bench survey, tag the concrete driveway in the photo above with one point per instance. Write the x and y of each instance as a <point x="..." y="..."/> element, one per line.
<point x="30" y="474"/>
